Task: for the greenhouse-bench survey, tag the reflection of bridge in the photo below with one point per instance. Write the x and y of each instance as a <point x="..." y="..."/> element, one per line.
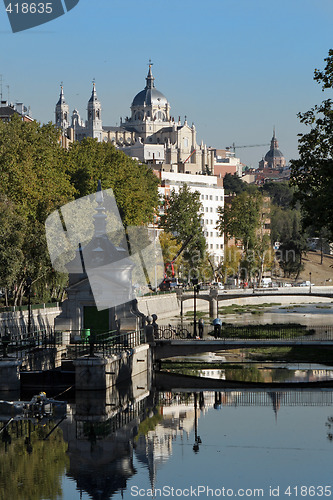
<point x="170" y="348"/>
<point x="214" y="295"/>
<point x="241" y="394"/>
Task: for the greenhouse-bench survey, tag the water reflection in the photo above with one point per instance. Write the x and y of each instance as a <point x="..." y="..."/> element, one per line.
<point x="140" y="435"/>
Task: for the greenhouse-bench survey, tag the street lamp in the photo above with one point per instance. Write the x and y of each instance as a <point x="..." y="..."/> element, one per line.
<point x="195" y="289"/>
<point x="28" y="285"/>
<point x="310" y="281"/>
<point x="197" y="439"/>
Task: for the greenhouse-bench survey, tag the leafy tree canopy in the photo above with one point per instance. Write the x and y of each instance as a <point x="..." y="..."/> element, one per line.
<point x="182" y="219"/>
<point x="134" y="185"/>
<point x="232" y="183"/>
<point x="281" y="193"/>
<point x="32" y="168"/>
<point x="312" y="173"/>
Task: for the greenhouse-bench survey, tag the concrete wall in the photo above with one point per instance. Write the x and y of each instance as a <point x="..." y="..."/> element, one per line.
<point x="98" y="373"/>
<point x="17" y="321"/>
<point x="167" y="305"/>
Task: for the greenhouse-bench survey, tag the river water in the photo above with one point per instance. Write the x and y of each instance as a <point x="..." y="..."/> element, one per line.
<point x="140" y="441"/>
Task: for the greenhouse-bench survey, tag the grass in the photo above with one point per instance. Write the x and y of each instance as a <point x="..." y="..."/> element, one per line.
<point x="200" y="314"/>
<point x="292" y="355"/>
<point x="281" y="331"/>
<point x="248" y="308"/>
<point x="293" y="306"/>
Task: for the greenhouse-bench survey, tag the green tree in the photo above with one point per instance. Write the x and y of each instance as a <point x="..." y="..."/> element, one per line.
<point x="293" y="245"/>
<point x="312" y="173"/>
<point x="280" y="193"/>
<point x="182" y="218"/>
<point x="232" y="183"/>
<point x="135" y="186"/>
<point x="33" y="184"/>
<point x="242" y="219"/>
<point x="32" y="169"/>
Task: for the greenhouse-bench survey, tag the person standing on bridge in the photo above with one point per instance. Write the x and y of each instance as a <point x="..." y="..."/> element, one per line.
<point x="201" y="328"/>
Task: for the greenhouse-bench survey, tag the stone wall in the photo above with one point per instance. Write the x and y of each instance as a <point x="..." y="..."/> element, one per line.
<point x="17" y="321"/>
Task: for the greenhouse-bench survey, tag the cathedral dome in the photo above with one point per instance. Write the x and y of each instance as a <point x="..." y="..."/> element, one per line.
<point x="150" y="96"/>
<point x="274" y="157"/>
<point x="273" y="153"/>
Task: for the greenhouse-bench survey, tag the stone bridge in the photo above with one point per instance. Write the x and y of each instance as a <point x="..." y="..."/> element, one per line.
<point x="214" y="296"/>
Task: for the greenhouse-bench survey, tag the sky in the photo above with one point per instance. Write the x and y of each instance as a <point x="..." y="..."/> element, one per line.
<point x="235" y="68"/>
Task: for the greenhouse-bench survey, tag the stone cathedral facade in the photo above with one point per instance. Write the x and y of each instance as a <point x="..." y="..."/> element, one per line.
<point x="151" y="134"/>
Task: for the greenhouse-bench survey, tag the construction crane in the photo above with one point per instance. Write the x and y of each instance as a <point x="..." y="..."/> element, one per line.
<point x="234" y="147"/>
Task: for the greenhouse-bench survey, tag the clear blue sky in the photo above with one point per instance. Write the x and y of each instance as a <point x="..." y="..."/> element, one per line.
<point x="236" y="68"/>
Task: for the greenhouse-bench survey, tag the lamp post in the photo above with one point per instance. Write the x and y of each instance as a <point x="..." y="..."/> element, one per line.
<point x="28" y="284"/>
<point x="310" y="281"/>
<point x="197" y="439"/>
<point x="195" y="289"/>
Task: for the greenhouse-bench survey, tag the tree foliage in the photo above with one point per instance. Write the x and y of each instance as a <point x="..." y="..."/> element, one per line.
<point x="280" y="193"/>
<point x="312" y="173"/>
<point x="134" y="185"/>
<point x="243" y="219"/>
<point x="232" y="183"/>
<point x="182" y="219"/>
<point x="37" y="176"/>
<point x="292" y="246"/>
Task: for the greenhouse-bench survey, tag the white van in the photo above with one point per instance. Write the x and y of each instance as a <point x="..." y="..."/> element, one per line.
<point x="266" y="282"/>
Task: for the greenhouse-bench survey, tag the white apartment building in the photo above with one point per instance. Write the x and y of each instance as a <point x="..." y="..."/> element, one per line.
<point x="211" y="197"/>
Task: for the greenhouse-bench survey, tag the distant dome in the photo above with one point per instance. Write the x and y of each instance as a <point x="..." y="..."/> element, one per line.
<point x="273" y="153"/>
<point x="274" y="157"/>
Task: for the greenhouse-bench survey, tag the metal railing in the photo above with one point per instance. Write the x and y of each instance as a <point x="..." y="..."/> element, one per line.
<point x="103" y="343"/>
<point x="249" y="332"/>
<point x="18" y="344"/>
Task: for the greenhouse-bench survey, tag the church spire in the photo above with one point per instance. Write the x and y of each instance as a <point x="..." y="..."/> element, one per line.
<point x="94" y="123"/>
<point x="150" y="79"/>
<point x="62" y="111"/>
<point x="274" y="142"/>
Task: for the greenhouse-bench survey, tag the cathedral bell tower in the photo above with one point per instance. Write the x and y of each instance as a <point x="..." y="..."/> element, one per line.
<point x="94" y="122"/>
<point x="62" y="112"/>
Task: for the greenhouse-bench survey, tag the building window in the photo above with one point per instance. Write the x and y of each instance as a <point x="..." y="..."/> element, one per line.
<point x="206" y="209"/>
<point x="211" y="234"/>
<point x="211" y="197"/>
<point x="211" y="209"/>
<point x="206" y="196"/>
<point x="216" y="198"/>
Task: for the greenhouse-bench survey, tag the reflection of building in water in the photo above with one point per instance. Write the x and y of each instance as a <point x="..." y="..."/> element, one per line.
<point x="100" y="435"/>
<point x="155" y="447"/>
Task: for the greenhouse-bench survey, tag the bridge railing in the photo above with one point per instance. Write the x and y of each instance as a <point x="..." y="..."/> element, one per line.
<point x="104" y="343"/>
<point x="19" y="343"/>
<point x="250" y="332"/>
